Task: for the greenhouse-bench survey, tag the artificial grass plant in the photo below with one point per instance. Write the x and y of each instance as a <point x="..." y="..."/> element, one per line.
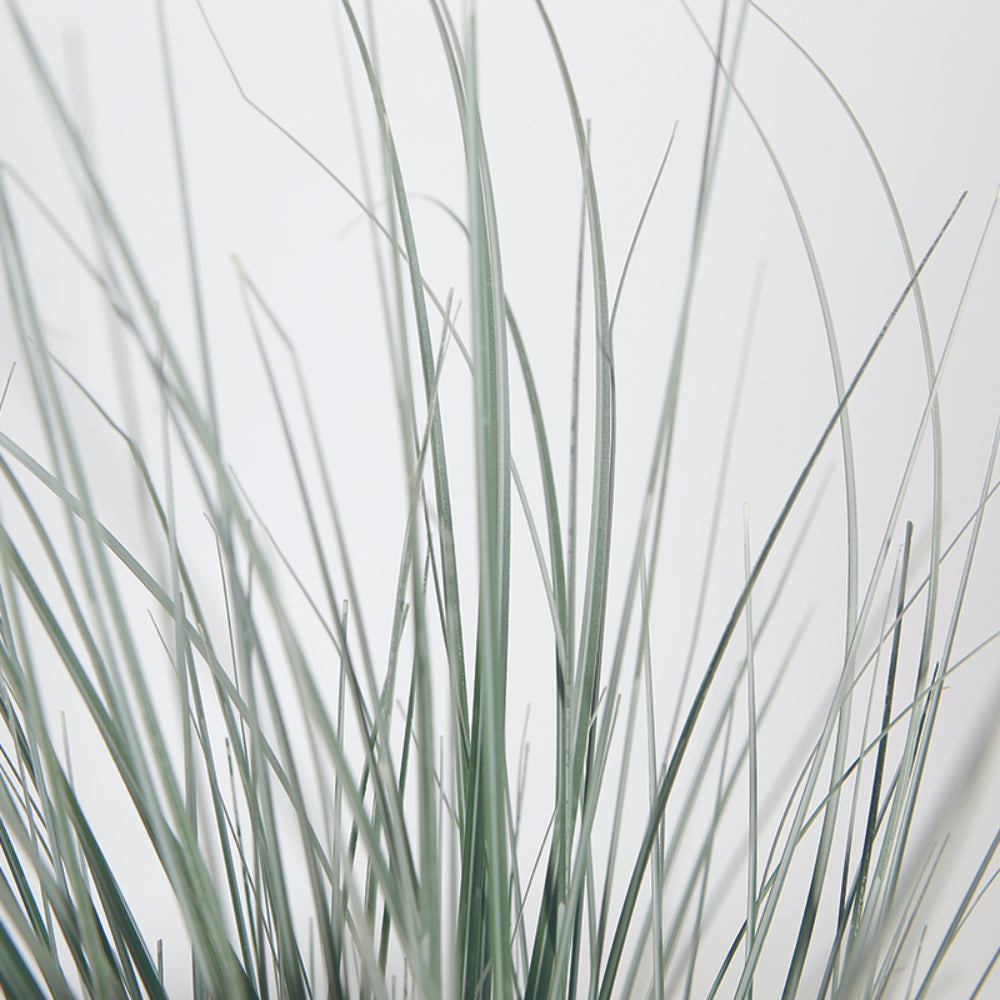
<point x="345" y="812"/>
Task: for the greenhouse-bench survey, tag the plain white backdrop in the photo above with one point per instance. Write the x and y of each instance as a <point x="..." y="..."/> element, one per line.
<point x="922" y="78"/>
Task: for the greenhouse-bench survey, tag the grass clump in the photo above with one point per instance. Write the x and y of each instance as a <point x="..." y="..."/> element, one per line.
<point x="319" y="758"/>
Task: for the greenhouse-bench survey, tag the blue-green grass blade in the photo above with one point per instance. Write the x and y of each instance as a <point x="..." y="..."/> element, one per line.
<point x="557" y="571"/>
<point x="194" y="275"/>
<point x="228" y="834"/>
<point x="871" y="823"/>
<point x="196" y="637"/>
<point x="729" y="782"/>
<point x="429" y="964"/>
<point x="248" y="286"/>
<point x="651" y="757"/>
<point x="564" y="731"/>
<point x="108" y="723"/>
<point x="936" y="434"/>
<point x="637" y="232"/>
<point x="986" y="975"/>
<point x="848" y="896"/>
<point x="116" y="910"/>
<point x="24" y="918"/>
<point x="618" y="814"/>
<point x="25" y="893"/>
<point x="824" y="848"/>
<point x="93" y="193"/>
<point x="753" y="831"/>
<point x="890" y="859"/>
<point x="196" y="631"/>
<point x="686" y="810"/>
<point x="699" y="916"/>
<point x="587" y="672"/>
<point x="92" y="562"/>
<point x="921" y="313"/>
<point x="644" y="619"/>
<point x="725" y="459"/>
<point x="670" y="774"/>
<point x="658" y="473"/>
<point x="863" y="616"/>
<point x="379" y="733"/>
<point x="61" y="877"/>
<point x="16" y="978"/>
